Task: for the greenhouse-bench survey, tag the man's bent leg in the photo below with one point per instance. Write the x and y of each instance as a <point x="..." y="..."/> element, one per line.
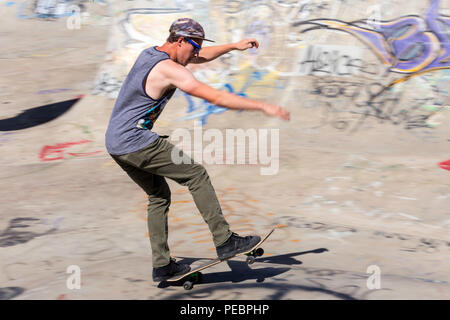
<point x="205" y="198"/>
<point x="195" y="177"/>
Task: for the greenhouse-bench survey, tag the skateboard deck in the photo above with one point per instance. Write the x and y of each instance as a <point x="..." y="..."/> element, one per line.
<point x="194" y="276"/>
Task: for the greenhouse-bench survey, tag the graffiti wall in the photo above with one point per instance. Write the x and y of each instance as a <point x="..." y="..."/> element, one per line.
<point x="347" y="65"/>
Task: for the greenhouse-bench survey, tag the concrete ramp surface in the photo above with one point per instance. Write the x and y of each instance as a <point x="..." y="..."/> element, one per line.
<point x="357" y="183"/>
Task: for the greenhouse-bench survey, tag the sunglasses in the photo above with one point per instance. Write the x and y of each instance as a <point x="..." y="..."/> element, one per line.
<point x="196" y="46"/>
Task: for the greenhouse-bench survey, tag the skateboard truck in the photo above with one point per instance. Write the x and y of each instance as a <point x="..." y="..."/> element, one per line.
<point x="192" y="279"/>
<point x="251" y="256"/>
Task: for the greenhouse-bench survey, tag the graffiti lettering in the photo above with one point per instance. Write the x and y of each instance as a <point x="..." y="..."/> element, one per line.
<point x="56" y="152"/>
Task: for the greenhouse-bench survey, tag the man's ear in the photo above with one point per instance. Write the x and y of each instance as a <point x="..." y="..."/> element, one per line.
<point x="180" y="40"/>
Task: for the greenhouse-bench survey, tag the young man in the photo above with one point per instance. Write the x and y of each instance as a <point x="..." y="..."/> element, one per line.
<point x="146" y="157"/>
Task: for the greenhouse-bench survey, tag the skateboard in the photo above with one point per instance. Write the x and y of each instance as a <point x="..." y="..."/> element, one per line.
<point x="195" y="276"/>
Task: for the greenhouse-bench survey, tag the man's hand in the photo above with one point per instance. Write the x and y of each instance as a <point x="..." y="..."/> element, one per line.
<point x="210" y="53"/>
<point x="246" y="44"/>
<point x="276" y="111"/>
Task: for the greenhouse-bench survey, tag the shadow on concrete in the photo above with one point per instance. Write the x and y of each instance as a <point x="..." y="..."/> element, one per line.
<point x="241" y="271"/>
<point x="279" y="291"/>
<point x="37" y="116"/>
<point x="288" y="259"/>
<point x="10" y="292"/>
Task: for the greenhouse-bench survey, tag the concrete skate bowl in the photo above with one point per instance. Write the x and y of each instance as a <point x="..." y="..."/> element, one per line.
<point x="361" y="168"/>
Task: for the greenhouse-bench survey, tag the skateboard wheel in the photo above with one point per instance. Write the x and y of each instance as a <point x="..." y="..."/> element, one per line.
<point x="250" y="260"/>
<point x="188" y="285"/>
<point x="259" y="252"/>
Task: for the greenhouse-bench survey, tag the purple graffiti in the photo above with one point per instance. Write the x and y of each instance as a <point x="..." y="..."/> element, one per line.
<point x="408" y="44"/>
<point x="52" y="91"/>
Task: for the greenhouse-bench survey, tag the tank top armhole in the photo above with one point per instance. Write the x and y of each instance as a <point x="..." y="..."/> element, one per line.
<point x="145" y="80"/>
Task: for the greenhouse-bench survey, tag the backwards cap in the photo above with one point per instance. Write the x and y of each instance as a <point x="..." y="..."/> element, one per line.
<point x="187" y="27"/>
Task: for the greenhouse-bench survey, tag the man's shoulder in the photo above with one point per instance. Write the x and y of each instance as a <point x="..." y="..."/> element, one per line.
<point x="152" y="54"/>
<point x="169" y="66"/>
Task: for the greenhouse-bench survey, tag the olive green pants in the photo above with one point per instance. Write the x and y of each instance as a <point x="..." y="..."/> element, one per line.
<point x="148" y="167"/>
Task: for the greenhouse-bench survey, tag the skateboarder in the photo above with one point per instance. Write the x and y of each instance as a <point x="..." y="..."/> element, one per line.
<point x="146" y="157"/>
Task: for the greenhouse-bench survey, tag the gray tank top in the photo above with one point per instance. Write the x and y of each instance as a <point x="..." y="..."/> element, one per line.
<point x="135" y="112"/>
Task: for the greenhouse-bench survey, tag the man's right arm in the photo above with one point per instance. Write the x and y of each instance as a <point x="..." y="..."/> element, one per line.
<point x="183" y="79"/>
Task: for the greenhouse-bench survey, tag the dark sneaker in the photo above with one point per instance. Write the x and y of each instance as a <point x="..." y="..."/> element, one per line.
<point x="236" y="244"/>
<point x="172" y="269"/>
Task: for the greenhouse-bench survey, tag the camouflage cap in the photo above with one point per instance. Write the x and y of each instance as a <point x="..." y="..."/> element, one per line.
<point x="188" y="28"/>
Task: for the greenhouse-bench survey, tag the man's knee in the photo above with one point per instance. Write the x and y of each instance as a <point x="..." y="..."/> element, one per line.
<point x="198" y="177"/>
<point x="161" y="198"/>
<point x="199" y="173"/>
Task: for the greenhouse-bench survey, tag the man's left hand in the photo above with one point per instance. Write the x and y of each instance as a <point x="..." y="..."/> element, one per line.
<point x="247" y="44"/>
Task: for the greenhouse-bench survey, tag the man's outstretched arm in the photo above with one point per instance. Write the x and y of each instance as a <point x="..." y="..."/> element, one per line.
<point x="183" y="79"/>
<point x="207" y="54"/>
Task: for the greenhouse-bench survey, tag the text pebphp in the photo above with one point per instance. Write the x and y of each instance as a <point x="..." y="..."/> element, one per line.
<point x="245" y="309"/>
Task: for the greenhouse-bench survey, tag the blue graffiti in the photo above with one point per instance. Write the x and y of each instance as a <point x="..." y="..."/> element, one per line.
<point x="207" y="109"/>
